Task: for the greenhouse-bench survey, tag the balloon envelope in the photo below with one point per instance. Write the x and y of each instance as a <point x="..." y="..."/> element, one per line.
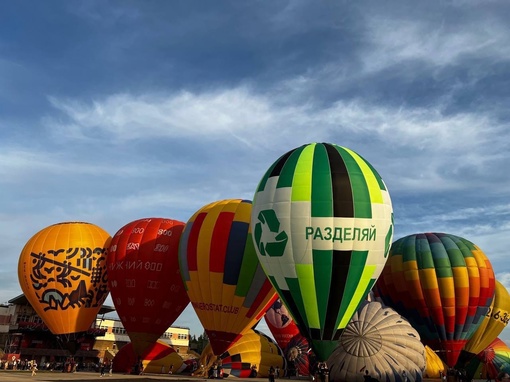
<point x="156" y="359"/>
<point x="144" y="278"/>
<point x="62" y="272"/>
<point x="492" y="324"/>
<point x="435" y="368"/>
<point x="280" y="323"/>
<point x="381" y="341"/>
<point x="323" y="223"/>
<point x="443" y="284"/>
<point x="253" y="348"/>
<point x="494" y="359"/>
<point x="224" y="280"/>
<point x="297" y="355"/>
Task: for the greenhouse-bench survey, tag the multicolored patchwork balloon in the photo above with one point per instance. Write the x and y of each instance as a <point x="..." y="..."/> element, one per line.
<point x="224" y="279"/>
<point x="323" y="224"/>
<point x="491" y="361"/>
<point x="443" y="284"/>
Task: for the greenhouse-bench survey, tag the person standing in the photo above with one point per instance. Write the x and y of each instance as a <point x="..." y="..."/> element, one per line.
<point x="404" y="376"/>
<point x="277" y="371"/>
<point x="271" y="373"/>
<point x="367" y="377"/>
<point x="103" y="366"/>
<point x="34" y="368"/>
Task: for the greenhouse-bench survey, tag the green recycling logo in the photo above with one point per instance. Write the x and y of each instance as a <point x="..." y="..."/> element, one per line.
<point x="268" y="237"/>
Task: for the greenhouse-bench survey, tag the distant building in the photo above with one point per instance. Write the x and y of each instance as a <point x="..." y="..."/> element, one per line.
<point x="115" y="336"/>
<point x="24" y="336"/>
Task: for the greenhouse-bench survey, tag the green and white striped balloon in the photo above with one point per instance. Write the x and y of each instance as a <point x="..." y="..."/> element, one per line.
<point x="322" y="224"/>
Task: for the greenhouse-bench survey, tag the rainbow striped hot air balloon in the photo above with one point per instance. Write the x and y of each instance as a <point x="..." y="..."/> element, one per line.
<point x="224" y="279"/>
<point x="323" y="224"/>
<point x="443" y="284"/>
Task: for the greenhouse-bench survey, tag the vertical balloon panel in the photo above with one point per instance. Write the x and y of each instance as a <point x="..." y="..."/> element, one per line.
<point x="323" y="224"/>
<point x="62" y="272"/>
<point x="225" y="282"/>
<point x="144" y="278"/>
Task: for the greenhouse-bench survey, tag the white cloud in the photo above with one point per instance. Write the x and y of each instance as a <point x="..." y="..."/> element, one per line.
<point x="236" y="113"/>
<point x="251" y="123"/>
<point x="246" y="115"/>
<point x="437" y="43"/>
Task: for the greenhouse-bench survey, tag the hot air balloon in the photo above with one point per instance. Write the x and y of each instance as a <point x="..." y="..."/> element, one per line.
<point x="381" y="341"/>
<point x="156" y="359"/>
<point x="297" y="355"/>
<point x="322" y="224"/>
<point x="224" y="280"/>
<point x="62" y="272"/>
<point x="492" y="325"/>
<point x="252" y="349"/>
<point x="443" y="284"/>
<point x="491" y="361"/>
<point x="435" y="368"/>
<point x="144" y="278"/>
<point x="280" y="323"/>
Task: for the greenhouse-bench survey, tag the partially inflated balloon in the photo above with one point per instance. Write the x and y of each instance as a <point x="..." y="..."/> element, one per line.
<point x="296" y="353"/>
<point x="62" y="272"/>
<point x="144" y="278"/>
<point x="491" y="361"/>
<point x="492" y="325"/>
<point x="252" y="349"/>
<point x="435" y="368"/>
<point x="443" y="284"/>
<point x="323" y="224"/>
<point x="156" y="359"/>
<point x="224" y="280"/>
<point x="381" y="341"/>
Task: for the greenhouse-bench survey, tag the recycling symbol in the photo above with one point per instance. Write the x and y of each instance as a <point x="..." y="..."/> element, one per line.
<point x="268" y="237"/>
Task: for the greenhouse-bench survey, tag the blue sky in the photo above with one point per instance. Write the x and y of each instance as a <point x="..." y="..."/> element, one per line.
<point x="111" y="111"/>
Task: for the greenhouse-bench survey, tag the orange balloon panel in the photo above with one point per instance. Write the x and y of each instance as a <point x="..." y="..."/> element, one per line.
<point x="62" y="272"/>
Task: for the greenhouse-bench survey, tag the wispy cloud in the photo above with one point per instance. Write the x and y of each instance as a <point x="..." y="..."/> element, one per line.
<point x="439" y="42"/>
<point x="273" y="120"/>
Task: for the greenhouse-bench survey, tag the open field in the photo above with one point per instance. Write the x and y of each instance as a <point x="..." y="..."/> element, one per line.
<point x="13" y="376"/>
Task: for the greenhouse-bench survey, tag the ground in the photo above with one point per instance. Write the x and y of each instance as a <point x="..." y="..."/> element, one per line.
<point x="13" y="376"/>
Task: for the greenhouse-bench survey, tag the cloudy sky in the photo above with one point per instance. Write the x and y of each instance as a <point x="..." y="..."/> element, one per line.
<point x="111" y="111"/>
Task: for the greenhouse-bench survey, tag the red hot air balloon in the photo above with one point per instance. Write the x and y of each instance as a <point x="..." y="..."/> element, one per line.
<point x="144" y="278"/>
<point x="280" y="323"/>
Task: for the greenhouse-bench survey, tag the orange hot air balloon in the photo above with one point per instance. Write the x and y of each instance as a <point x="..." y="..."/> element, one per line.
<point x="62" y="272"/>
<point x="224" y="279"/>
<point x="144" y="278"/>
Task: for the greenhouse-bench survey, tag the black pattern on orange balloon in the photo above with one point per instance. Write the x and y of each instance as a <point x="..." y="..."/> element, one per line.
<point x="79" y="262"/>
